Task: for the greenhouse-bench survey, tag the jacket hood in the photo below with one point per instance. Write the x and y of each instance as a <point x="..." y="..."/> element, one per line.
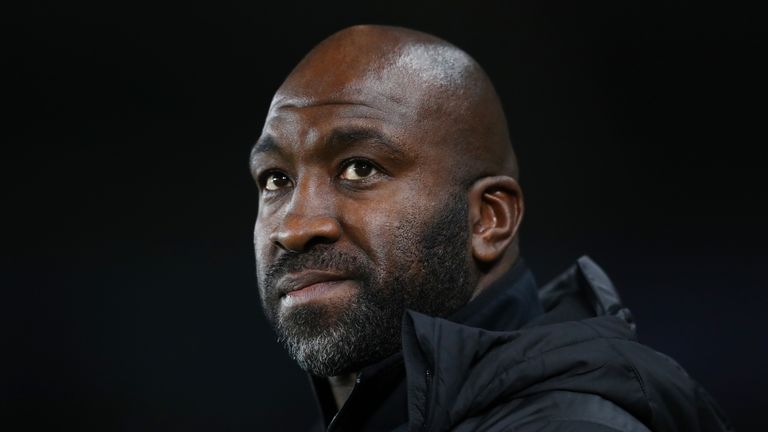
<point x="597" y="353"/>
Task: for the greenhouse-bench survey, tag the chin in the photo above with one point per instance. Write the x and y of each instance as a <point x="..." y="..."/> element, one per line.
<point x="314" y="317"/>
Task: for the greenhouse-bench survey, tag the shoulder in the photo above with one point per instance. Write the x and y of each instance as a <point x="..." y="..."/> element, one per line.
<point x="555" y="411"/>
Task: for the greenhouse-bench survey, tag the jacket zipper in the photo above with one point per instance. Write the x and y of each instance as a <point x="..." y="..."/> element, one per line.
<point x="427" y="399"/>
<point x="332" y="424"/>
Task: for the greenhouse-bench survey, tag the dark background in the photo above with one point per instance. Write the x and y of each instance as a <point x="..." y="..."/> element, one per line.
<point x="128" y="296"/>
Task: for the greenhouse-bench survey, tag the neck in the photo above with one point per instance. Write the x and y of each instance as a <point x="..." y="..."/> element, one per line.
<point x="496" y="272"/>
<point x="341" y="387"/>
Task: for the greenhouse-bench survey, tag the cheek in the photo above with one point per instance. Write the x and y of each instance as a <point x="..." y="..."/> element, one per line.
<point x="388" y="231"/>
<point x="261" y="245"/>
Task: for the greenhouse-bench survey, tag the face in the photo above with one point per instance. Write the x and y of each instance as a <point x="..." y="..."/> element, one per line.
<point x="360" y="217"/>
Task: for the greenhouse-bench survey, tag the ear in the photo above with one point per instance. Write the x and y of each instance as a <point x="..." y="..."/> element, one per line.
<point x="495" y="212"/>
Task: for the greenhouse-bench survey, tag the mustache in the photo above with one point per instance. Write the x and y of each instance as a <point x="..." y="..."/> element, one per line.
<point x="319" y="257"/>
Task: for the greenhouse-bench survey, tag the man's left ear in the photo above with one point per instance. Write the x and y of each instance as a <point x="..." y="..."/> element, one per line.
<point x="495" y="212"/>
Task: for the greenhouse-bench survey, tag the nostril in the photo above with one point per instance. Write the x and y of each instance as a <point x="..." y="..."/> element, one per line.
<point x="301" y="232"/>
<point x="318" y="240"/>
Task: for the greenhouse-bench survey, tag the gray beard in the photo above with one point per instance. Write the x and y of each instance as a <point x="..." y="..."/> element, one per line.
<point x="433" y="276"/>
<point x="358" y="336"/>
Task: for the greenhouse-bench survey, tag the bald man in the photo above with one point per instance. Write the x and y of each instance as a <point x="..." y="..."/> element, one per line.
<point x="388" y="261"/>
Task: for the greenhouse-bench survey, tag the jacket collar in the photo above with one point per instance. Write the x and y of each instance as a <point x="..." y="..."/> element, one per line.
<point x="457" y="368"/>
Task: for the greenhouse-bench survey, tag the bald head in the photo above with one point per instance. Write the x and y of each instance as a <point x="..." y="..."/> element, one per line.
<point x="436" y="90"/>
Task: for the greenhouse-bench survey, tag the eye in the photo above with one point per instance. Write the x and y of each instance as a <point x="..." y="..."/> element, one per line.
<point x="358" y="170"/>
<point x="276" y="180"/>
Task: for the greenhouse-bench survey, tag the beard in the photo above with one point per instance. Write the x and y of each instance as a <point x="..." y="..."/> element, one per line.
<point x="431" y="273"/>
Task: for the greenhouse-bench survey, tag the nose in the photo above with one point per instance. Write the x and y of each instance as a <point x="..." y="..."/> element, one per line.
<point x="306" y="223"/>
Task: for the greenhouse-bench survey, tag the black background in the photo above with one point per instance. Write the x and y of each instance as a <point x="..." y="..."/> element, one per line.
<point x="128" y="298"/>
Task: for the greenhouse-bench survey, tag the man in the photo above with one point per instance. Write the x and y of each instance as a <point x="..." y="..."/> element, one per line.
<point x="388" y="261"/>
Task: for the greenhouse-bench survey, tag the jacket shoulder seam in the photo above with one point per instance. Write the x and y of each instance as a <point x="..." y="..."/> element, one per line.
<point x="631" y="364"/>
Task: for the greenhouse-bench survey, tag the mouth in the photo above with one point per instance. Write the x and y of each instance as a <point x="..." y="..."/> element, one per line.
<point x="309" y="286"/>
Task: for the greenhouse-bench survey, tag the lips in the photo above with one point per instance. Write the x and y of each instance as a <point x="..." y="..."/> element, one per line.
<point x="299" y="281"/>
<point x="313" y="285"/>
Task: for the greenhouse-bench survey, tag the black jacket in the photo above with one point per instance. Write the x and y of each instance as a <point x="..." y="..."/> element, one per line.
<point x="562" y="358"/>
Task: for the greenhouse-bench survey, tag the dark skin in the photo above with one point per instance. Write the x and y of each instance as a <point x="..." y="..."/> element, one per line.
<point x="376" y="125"/>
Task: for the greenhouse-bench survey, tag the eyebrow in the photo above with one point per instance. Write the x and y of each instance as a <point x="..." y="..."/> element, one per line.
<point x="265" y="144"/>
<point x="345" y="137"/>
<point x="338" y="139"/>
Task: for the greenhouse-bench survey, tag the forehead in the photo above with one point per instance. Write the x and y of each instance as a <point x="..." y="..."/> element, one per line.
<point x="344" y="86"/>
<point x="299" y="122"/>
<point x="397" y="97"/>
